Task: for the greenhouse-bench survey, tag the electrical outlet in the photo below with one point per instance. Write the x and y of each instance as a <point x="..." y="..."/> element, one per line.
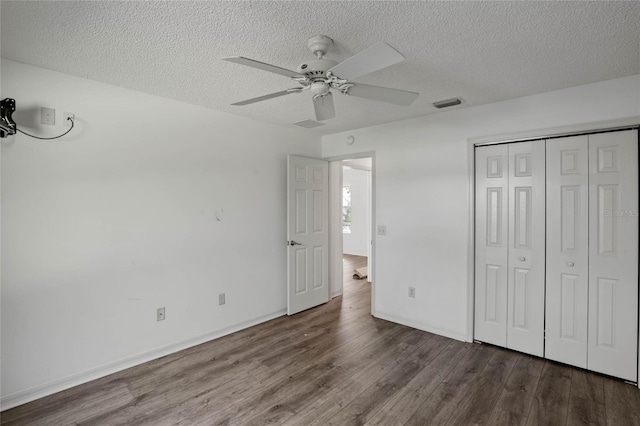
<point x="382" y="230"/>
<point x="66" y="116"/>
<point x="160" y="314"/>
<point x="221" y="299"/>
<point x="412" y="292"/>
<point x="47" y="116"/>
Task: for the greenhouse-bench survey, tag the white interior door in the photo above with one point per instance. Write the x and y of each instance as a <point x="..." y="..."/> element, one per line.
<point x="526" y="278"/>
<point x="567" y="250"/>
<point x="307" y="233"/>
<point x="492" y="184"/>
<point x="613" y="254"/>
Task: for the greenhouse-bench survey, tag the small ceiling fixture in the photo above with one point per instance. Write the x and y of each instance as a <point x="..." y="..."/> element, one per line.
<point x="309" y="124"/>
<point x="447" y="103"/>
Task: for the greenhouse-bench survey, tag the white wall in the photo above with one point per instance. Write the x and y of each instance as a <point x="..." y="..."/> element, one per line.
<point x="422" y="185"/>
<point x="356" y="242"/>
<point x="118" y="218"/>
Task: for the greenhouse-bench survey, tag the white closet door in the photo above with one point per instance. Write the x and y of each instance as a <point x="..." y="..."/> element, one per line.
<point x="526" y="253"/>
<point x="613" y="254"/>
<point x="567" y="250"/>
<point x="491" y="244"/>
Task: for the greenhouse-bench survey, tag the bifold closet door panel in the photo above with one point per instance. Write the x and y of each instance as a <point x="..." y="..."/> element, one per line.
<point x="490" y="323"/>
<point x="613" y="254"/>
<point x="526" y="251"/>
<point x="567" y="286"/>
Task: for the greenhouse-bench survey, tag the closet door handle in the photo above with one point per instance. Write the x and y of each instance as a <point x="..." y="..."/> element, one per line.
<point x="522" y="259"/>
<point x="570" y="263"/>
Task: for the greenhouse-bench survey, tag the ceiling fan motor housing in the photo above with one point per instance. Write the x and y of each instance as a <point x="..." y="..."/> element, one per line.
<point x="316" y="68"/>
<point x="320" y="88"/>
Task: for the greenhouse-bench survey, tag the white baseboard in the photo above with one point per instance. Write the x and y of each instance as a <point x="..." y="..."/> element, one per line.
<point x="61" y="384"/>
<point x="424" y="327"/>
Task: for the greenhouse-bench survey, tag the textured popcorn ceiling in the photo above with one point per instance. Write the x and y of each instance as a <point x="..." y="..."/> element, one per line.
<point x="479" y="51"/>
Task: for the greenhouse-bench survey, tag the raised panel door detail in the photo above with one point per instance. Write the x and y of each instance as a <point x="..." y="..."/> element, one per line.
<point x="494" y="167"/>
<point x="301" y="270"/>
<point x="569" y="202"/>
<point x="491" y="209"/>
<point x="318" y="220"/>
<point x="608" y="159"/>
<point x="318" y="175"/>
<point x="526" y="247"/>
<point x="307" y="226"/>
<point x="491" y="297"/>
<point x="522" y="218"/>
<point x="494" y="217"/>
<point x="607" y="219"/>
<point x="318" y="267"/>
<point x="570" y="162"/>
<point x="520" y="298"/>
<point x="606" y="288"/>
<point x="522" y="166"/>
<point x="568" y="284"/>
<point x="301" y="173"/>
<point x="301" y="211"/>
<point x="613" y="254"/>
<point x="567" y="239"/>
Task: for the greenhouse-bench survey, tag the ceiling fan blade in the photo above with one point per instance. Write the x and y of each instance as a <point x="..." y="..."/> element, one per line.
<point x="265" y="97"/>
<point x="324" y="107"/>
<point x="384" y="94"/>
<point x="373" y="58"/>
<point x="262" y="66"/>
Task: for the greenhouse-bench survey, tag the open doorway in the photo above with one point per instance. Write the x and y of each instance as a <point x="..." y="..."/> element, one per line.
<point x="351" y="218"/>
<point x="356" y="219"/>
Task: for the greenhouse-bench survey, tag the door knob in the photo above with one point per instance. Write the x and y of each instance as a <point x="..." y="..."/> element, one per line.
<point x="570" y="263"/>
<point x="294" y="243"/>
<point x="522" y="259"/>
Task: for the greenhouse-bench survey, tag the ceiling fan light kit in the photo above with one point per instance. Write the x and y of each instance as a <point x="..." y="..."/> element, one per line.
<point x="321" y="75"/>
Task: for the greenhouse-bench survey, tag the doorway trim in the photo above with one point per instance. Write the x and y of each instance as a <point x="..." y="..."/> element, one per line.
<point x="333" y="247"/>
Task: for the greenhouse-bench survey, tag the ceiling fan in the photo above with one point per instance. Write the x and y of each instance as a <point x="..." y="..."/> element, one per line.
<point x="320" y="75"/>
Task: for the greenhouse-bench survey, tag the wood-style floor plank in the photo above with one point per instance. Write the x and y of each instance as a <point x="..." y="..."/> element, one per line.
<point x="337" y="365"/>
<point x="586" y="399"/>
<point x="444" y="401"/>
<point x="323" y="406"/>
<point x="621" y="403"/>
<point x="367" y="403"/>
<point x="551" y="401"/>
<point x="280" y="399"/>
<point x="514" y="403"/>
<point x="408" y="399"/>
<point x="482" y="394"/>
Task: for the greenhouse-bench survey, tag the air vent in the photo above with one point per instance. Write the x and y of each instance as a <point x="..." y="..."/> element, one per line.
<point x="447" y="103"/>
<point x="309" y="124"/>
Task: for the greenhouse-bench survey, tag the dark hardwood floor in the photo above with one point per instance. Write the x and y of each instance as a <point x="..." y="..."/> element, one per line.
<point x="337" y="365"/>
